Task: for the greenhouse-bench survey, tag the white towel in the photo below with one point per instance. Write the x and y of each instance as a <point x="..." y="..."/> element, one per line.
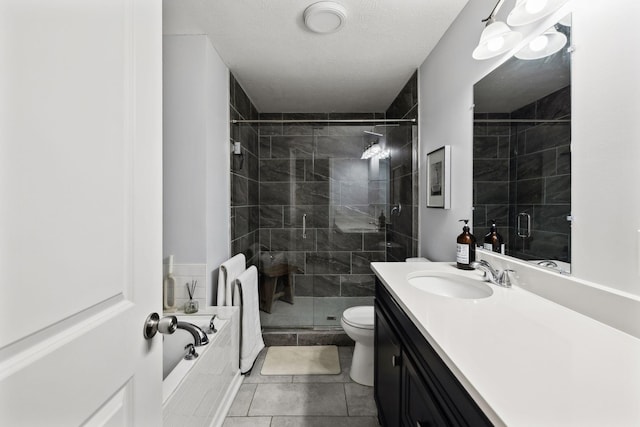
<point x="228" y="272"/>
<point x="246" y="296"/>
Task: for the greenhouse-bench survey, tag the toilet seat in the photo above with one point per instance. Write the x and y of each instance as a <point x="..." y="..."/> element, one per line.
<point x="361" y="317"/>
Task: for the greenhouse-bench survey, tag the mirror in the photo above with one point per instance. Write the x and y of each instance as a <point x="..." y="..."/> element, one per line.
<point x="521" y="153"/>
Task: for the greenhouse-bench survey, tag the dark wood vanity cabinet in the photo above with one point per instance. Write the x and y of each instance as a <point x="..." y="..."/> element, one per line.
<point x="412" y="386"/>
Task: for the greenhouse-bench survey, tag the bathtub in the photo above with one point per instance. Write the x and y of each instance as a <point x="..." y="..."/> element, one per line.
<point x="201" y="390"/>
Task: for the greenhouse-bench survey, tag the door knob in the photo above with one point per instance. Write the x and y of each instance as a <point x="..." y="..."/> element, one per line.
<point x="154" y="324"/>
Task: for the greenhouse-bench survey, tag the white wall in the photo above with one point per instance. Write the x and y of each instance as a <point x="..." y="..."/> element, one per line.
<point x="605" y="134"/>
<point x="196" y="154"/>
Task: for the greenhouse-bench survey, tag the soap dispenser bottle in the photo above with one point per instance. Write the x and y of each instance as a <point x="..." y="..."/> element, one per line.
<point x="493" y="240"/>
<point x="466" y="248"/>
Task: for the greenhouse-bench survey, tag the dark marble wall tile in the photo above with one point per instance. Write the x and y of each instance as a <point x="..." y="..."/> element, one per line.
<point x="526" y="112"/>
<point x="360" y="261"/>
<point x="358" y="285"/>
<point x="242" y="101"/>
<point x="499" y="129"/>
<point x="564" y="160"/>
<point x="499" y="213"/>
<point x="491" y="192"/>
<point x="271" y="216"/>
<point x="332" y="240"/>
<point x="536" y="165"/>
<point x="406" y="99"/>
<point x="547" y="135"/>
<point x="485" y="147"/>
<point x="340" y="147"/>
<point x="555" y="106"/>
<point x="374" y="241"/>
<point x="399" y="247"/>
<point x="504" y="147"/>
<point x="491" y="170"/>
<point x="287" y="147"/>
<point x="403" y="224"/>
<point x="248" y="137"/>
<point x="239" y="190"/>
<point x="530" y="191"/>
<point x="305" y="128"/>
<point x="241" y="222"/>
<point x="254" y="192"/>
<point x="275" y="193"/>
<point x="265" y="147"/>
<point x="311" y="193"/>
<point x="546" y="245"/>
<point x="264" y="239"/>
<point x="303" y="285"/>
<point x="317" y="216"/>
<point x="281" y="170"/>
<point x="325" y="285"/>
<point x="317" y="170"/>
<point x="552" y="218"/>
<point x="270" y="128"/>
<point x="291" y="239"/>
<point x="328" y="262"/>
<point x="558" y="189"/>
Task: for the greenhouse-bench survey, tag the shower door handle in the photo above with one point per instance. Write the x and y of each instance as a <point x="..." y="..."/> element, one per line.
<point x="304" y="226"/>
<point x="527" y="231"/>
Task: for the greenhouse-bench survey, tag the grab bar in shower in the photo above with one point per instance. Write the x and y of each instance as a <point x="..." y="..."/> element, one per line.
<point x="304" y="226"/>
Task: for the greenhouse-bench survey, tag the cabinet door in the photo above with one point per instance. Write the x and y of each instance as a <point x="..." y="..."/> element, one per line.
<point x="387" y="374"/>
<point x="419" y="408"/>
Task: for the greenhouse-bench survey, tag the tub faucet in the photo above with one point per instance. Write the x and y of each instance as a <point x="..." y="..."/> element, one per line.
<point x="199" y="337"/>
<point x="499" y="278"/>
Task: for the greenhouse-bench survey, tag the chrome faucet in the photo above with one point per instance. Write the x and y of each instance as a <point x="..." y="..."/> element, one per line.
<point x="499" y="278"/>
<point x="199" y="337"/>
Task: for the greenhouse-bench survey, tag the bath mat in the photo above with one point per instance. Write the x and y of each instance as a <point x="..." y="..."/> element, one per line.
<point x="301" y="360"/>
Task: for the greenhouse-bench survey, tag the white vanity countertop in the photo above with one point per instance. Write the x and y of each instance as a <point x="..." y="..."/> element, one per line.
<point x="525" y="360"/>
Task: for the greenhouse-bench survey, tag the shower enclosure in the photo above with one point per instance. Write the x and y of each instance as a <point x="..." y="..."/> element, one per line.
<point x="312" y="214"/>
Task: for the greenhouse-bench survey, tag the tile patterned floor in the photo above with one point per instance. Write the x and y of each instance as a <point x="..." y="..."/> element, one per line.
<point x="303" y="400"/>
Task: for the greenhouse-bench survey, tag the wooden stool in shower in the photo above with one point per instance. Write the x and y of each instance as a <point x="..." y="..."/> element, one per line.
<point x="274" y="275"/>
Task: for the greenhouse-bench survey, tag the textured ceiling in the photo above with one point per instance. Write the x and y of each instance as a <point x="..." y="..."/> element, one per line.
<point x="284" y="67"/>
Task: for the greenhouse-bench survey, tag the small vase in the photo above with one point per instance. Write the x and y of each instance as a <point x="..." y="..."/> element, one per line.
<point x="191" y="307"/>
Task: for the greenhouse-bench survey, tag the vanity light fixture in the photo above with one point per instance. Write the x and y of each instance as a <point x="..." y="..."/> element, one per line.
<point x="496" y="38"/>
<point x="325" y="17"/>
<point x="546" y="44"/>
<point x="529" y="11"/>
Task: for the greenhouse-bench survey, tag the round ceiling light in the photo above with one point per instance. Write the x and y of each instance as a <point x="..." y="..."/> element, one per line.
<point x="325" y="17"/>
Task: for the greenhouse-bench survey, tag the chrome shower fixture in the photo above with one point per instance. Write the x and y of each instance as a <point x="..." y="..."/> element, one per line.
<point x="370" y="132"/>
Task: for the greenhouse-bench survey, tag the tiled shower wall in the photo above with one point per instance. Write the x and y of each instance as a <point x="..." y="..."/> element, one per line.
<point x="244" y="176"/>
<point x="402" y="140"/>
<point x="316" y="170"/>
<point x="291" y="170"/>
<point x="526" y="166"/>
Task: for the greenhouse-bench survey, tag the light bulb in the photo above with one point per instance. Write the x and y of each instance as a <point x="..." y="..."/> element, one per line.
<point x="495" y="44"/>
<point x="534" y="6"/>
<point x="539" y="43"/>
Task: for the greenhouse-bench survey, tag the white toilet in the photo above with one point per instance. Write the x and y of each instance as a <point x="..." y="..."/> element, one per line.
<point x="357" y="323"/>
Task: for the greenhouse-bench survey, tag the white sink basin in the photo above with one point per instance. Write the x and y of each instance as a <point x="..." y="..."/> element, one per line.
<point x="450" y="285"/>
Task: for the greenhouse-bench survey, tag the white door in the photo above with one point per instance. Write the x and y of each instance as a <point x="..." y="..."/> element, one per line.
<point x="80" y="211"/>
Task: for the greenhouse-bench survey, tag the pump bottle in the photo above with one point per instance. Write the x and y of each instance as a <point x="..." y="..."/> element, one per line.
<point x="465" y="248"/>
<point x="493" y="240"/>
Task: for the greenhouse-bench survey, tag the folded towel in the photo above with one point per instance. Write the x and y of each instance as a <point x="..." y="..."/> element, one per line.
<point x="228" y="272"/>
<point x="246" y="296"/>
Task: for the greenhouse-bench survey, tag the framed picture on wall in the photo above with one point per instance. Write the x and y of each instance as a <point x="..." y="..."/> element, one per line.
<point x="439" y="178"/>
